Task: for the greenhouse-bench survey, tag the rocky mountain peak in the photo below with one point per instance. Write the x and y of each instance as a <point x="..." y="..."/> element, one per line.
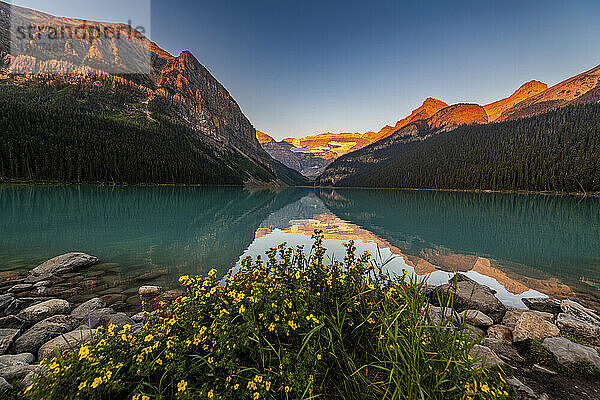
<point x="458" y="114"/>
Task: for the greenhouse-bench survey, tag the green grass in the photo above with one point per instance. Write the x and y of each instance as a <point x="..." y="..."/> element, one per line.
<point x="285" y="327"/>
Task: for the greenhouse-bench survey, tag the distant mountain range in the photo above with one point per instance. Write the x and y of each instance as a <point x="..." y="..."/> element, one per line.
<point x="432" y="117"/>
<point x="215" y="140"/>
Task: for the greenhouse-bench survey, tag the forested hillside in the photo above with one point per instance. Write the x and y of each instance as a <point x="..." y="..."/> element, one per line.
<point x="555" y="151"/>
<point x="100" y="132"/>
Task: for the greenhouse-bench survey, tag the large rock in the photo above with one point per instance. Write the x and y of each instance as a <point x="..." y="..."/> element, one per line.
<point x="568" y="353"/>
<point x="512" y="317"/>
<point x="4" y="386"/>
<point x="6" y="338"/>
<point x="149" y="291"/>
<point x="43" y="331"/>
<point x="532" y="326"/>
<point x="580" y="312"/>
<point x="500" y="332"/>
<point x="484" y="357"/>
<point x="475" y="317"/>
<point x="441" y="316"/>
<point x="64" y="263"/>
<point x="506" y="351"/>
<point x="20" y="287"/>
<point x="580" y="329"/>
<point x="5" y="300"/>
<point x="67" y="341"/>
<point x="8" y="360"/>
<point x="98" y="317"/>
<point x="44" y="310"/>
<point x="120" y="319"/>
<point x="16" y="371"/>
<point x="84" y="310"/>
<point x="544" y="304"/>
<point x="23" y="302"/>
<point x="471" y="295"/>
<point x="11" y="322"/>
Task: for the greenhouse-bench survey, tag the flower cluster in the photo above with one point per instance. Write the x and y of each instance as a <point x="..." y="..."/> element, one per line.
<point x="287" y="327"/>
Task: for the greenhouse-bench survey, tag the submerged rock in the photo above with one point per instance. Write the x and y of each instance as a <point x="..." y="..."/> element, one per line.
<point x="568" y="353"/>
<point x="64" y="263"/>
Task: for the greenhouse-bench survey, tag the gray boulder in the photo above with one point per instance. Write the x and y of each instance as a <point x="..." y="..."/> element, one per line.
<point x="500" y="332"/>
<point x="471" y="295"/>
<point x="98" y="317"/>
<point x="43" y="310"/>
<point x="11" y="322"/>
<point x="119" y="319"/>
<point x="5" y="300"/>
<point x="484" y="357"/>
<point x="23" y="302"/>
<point x="544" y="304"/>
<point x="43" y="331"/>
<point x="531" y="326"/>
<point x="568" y="353"/>
<point x="506" y="351"/>
<point x="64" y="263"/>
<point x="20" y="287"/>
<point x="149" y="291"/>
<point x="9" y="360"/>
<point x="83" y="310"/>
<point x="580" y="329"/>
<point x="476" y="317"/>
<point x="67" y="341"/>
<point x="580" y="312"/>
<point x="512" y="317"/>
<point x="4" y="386"/>
<point x="6" y="338"/>
<point x="16" y="371"/>
<point x="441" y="317"/>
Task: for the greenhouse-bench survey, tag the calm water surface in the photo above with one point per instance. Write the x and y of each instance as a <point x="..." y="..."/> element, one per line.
<point x="520" y="245"/>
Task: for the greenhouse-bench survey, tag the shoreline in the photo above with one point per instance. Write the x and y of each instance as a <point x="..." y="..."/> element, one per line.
<point x="278" y="188"/>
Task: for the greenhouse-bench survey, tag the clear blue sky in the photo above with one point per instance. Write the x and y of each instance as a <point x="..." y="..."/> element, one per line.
<point x="306" y="67"/>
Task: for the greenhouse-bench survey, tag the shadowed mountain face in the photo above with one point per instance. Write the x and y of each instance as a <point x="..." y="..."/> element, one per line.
<point x="300" y="159"/>
<point x="444" y="120"/>
<point x="312" y="154"/>
<point x="115" y="58"/>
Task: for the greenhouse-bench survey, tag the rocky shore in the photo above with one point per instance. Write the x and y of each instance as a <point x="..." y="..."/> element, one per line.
<point x="541" y="345"/>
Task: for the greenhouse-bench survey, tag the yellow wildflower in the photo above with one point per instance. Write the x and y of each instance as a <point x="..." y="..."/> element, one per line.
<point x="181" y="386"/>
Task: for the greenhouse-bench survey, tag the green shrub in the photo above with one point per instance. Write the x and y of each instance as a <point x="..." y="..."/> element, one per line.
<point x="288" y="327"/>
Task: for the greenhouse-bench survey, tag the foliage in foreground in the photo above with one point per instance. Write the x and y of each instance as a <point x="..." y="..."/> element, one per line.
<point x="289" y="327"/>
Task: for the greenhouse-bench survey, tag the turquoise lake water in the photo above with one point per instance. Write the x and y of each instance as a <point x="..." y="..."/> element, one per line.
<point x="520" y="245"/>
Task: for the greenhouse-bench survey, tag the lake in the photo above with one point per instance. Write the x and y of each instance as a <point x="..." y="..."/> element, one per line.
<point x="521" y="245"/>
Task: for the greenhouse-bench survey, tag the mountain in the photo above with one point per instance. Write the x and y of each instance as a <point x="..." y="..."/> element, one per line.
<point x="580" y="89"/>
<point x="310" y="155"/>
<point x="556" y="151"/>
<point x="429" y="107"/>
<point x="494" y="110"/>
<point x="298" y="159"/>
<point x="130" y="82"/>
<point x="444" y="120"/>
